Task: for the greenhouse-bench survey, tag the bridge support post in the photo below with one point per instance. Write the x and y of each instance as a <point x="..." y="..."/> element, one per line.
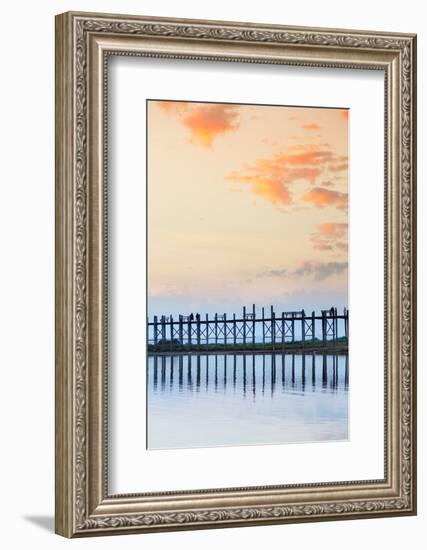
<point x="198" y="329"/>
<point x="273" y="329"/>
<point x="253" y="324"/>
<point x="225" y="331"/>
<point x="171" y="332"/>
<point x="303" y="328"/>
<point x="244" y="326"/>
<point x="283" y="330"/>
<point x="207" y="331"/>
<point x="263" y="326"/>
<point x="155" y="330"/>
<point x="163" y="325"/>
<point x="313" y="327"/>
<point x="180" y="331"/>
<point x="324" y="327"/>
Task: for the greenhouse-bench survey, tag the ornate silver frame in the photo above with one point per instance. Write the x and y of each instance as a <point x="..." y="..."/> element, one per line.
<point x="83" y="505"/>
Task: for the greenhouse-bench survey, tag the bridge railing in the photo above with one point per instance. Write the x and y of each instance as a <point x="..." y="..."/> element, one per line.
<point x="247" y="331"/>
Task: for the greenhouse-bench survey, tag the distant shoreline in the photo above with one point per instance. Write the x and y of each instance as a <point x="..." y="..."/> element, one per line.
<point x="339" y="345"/>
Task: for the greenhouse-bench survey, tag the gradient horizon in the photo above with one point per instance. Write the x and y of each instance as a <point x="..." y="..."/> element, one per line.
<point x="246" y="204"/>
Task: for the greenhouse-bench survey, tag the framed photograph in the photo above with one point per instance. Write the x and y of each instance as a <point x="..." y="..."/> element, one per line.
<point x="235" y="274"/>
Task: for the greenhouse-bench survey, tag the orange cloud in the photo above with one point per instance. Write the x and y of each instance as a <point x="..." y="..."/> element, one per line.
<point x="345" y="114"/>
<point x="172" y="106"/>
<point x="311" y="126"/>
<point x="270" y="188"/>
<point x="330" y="236"/>
<point x="209" y="121"/>
<point x="333" y="229"/>
<point x="272" y="177"/>
<point x="321" y="197"/>
<point x="206" y="121"/>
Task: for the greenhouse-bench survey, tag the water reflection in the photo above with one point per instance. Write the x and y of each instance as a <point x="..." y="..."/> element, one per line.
<point x="198" y="400"/>
<point x="292" y="372"/>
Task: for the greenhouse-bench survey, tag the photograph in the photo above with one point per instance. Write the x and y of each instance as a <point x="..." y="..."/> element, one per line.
<point x="247" y="270"/>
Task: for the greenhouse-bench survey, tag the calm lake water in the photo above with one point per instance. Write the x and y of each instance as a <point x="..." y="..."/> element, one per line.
<point x="200" y="400"/>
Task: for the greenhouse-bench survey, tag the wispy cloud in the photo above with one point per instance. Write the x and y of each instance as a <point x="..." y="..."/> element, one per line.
<point x="317" y="271"/>
<point x="343" y="246"/>
<point x="339" y="167"/>
<point x="276" y="273"/>
<point x="272" y="177"/>
<point x="333" y="229"/>
<point x="270" y="187"/>
<point x="320" y="271"/>
<point x="330" y="236"/>
<point x="321" y="197"/>
<point x="205" y="121"/>
<point x="311" y="127"/>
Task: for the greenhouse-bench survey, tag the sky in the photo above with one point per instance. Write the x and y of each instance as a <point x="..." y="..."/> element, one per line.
<point x="247" y="204"/>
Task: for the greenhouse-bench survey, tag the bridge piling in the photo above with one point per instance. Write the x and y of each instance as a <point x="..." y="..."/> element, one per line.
<point x="303" y="328"/>
<point x="273" y="329"/>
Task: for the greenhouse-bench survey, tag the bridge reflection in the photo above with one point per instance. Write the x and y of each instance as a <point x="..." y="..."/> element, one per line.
<point x="248" y="373"/>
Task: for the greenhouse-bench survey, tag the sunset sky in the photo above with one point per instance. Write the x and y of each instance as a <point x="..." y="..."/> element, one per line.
<point x="246" y="204"/>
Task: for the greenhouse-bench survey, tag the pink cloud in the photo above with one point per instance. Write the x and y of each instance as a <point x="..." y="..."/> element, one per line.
<point x="330" y="236"/>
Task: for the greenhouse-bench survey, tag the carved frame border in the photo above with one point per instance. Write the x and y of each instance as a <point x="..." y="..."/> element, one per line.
<point x="83" y="43"/>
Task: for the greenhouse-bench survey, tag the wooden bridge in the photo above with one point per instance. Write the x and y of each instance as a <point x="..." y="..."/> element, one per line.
<point x="288" y="330"/>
